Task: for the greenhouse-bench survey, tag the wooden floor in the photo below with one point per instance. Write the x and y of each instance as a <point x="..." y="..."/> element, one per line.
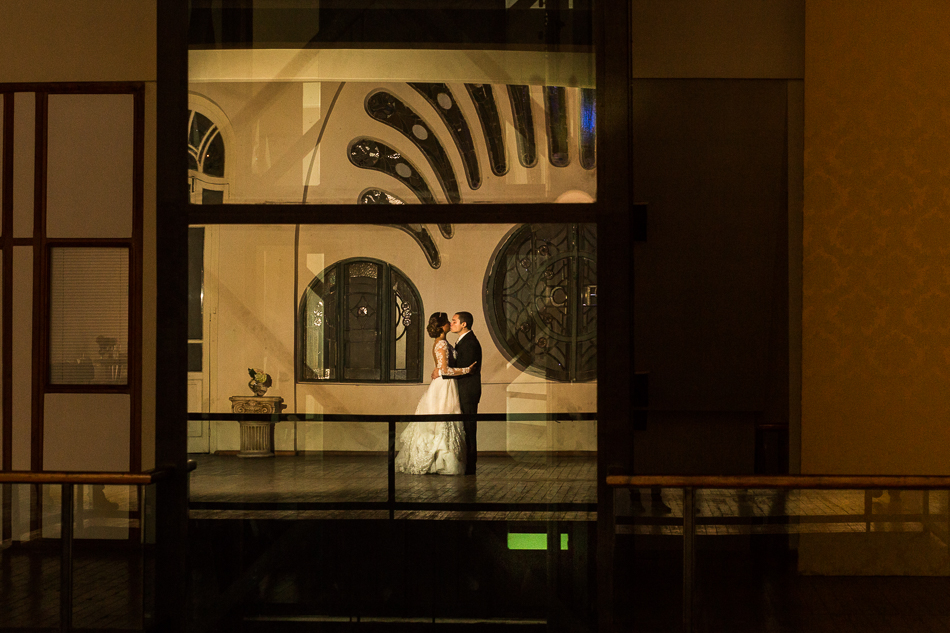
<point x="227" y="487"/>
<point x="107" y="591"/>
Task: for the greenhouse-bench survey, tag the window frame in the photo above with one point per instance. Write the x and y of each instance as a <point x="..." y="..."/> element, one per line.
<point x="612" y="30"/>
<point x="134" y="330"/>
<point x="384" y="307"/>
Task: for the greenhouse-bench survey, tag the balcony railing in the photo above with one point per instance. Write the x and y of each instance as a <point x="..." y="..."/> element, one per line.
<point x="67" y="481"/>
<point x="937" y="524"/>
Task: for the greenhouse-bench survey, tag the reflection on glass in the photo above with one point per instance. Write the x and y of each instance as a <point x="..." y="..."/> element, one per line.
<point x="443" y="104"/>
<point x="337" y="315"/>
<point x="541" y="300"/>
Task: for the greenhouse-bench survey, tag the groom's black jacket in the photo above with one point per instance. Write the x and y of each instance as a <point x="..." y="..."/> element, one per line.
<point x="468" y="351"/>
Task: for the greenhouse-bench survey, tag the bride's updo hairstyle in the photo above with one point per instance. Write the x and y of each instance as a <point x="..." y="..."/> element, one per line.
<point x="437" y="321"/>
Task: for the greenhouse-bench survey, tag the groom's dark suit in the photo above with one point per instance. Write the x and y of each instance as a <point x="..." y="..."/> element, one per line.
<point x="468" y="351"/>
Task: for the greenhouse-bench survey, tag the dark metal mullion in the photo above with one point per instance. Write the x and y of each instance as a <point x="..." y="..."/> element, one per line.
<point x="66" y="559"/>
<point x="6" y="323"/>
<point x="6" y="204"/>
<point x="386" y="322"/>
<point x="342" y="289"/>
<point x="615" y="189"/>
<point x="172" y="595"/>
<point x="135" y="344"/>
<point x="76" y="87"/>
<point x="574" y="300"/>
<point x="266" y="214"/>
<point x="41" y="269"/>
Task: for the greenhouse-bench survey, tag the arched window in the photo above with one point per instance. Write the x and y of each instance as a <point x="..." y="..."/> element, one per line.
<point x="541" y="300"/>
<point x="206" y="165"/>
<point x="360" y="320"/>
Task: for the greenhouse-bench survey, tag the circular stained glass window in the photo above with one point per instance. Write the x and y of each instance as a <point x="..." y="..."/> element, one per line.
<point x="541" y="300"/>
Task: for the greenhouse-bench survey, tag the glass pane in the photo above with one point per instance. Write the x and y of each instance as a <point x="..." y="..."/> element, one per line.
<point x="394" y="102"/>
<point x="194" y="357"/>
<point x="196" y="255"/>
<point x="361" y="342"/>
<point x="408" y="328"/>
<point x="524" y="520"/>
<point x="824" y="555"/>
<point x="108" y="583"/>
<point x="89" y="315"/>
<point x="542" y="300"/>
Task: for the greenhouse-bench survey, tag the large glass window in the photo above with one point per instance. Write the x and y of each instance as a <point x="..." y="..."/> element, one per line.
<point x="391" y="108"/>
<point x="360" y="320"/>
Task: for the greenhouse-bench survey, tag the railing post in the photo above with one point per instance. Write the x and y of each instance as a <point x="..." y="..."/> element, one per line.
<point x="925" y="511"/>
<point x="66" y="559"/>
<point x="391" y="468"/>
<point x="689" y="556"/>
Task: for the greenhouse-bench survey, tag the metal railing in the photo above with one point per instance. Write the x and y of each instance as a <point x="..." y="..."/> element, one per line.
<point x="390" y="420"/>
<point x="691" y="483"/>
<point x="67" y="480"/>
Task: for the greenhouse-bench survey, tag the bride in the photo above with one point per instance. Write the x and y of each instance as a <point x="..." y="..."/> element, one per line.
<point x="436" y="447"/>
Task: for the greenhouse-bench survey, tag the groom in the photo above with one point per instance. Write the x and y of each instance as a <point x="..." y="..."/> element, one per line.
<point x="468" y="351"/>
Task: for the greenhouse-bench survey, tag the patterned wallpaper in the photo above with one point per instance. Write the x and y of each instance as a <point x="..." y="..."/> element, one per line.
<point x="876" y="238"/>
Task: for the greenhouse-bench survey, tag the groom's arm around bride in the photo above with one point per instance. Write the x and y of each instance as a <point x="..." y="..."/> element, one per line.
<point x="468" y="351"/>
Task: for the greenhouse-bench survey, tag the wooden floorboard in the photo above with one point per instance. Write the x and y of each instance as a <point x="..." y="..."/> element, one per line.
<point x="523" y="478"/>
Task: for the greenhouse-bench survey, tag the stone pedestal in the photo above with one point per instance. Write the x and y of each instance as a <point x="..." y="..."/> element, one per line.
<point x="257" y="438"/>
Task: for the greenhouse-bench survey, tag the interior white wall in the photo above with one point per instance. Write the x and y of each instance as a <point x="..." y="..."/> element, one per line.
<point x="271" y="132"/>
<point x="255" y="312"/>
<point x="286" y="136"/>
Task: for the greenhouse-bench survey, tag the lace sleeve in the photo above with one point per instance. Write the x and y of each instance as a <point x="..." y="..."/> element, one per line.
<point x="442" y="361"/>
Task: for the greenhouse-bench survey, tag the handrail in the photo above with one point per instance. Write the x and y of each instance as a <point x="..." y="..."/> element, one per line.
<point x="67" y="480"/>
<point x="383" y="417"/>
<point x="690" y="483"/>
<point x="783" y="482"/>
<point x="81" y="477"/>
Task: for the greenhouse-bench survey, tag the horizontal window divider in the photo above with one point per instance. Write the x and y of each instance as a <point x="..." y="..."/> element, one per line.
<point x="397" y="505"/>
<point x="338" y="417"/>
<point x="96" y="242"/>
<point x="76" y="87"/>
<point x="88" y="388"/>
<point x="500" y="213"/>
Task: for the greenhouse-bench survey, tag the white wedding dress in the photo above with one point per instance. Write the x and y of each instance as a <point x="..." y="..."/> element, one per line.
<point x="435" y="447"/>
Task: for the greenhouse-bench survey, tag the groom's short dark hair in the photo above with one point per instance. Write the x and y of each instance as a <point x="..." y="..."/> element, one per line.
<point x="466" y="318"/>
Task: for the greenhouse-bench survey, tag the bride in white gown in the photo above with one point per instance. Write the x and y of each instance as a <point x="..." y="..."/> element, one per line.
<point x="436" y="447"/>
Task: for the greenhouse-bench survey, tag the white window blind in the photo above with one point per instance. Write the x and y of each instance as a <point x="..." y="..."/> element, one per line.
<point x="89" y="315"/>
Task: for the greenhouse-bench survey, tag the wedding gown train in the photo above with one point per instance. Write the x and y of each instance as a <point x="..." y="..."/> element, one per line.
<point x="435" y="447"/>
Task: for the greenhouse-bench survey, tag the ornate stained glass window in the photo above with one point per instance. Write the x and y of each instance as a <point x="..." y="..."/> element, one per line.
<point x="541" y="300"/>
<point x="360" y="320"/>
